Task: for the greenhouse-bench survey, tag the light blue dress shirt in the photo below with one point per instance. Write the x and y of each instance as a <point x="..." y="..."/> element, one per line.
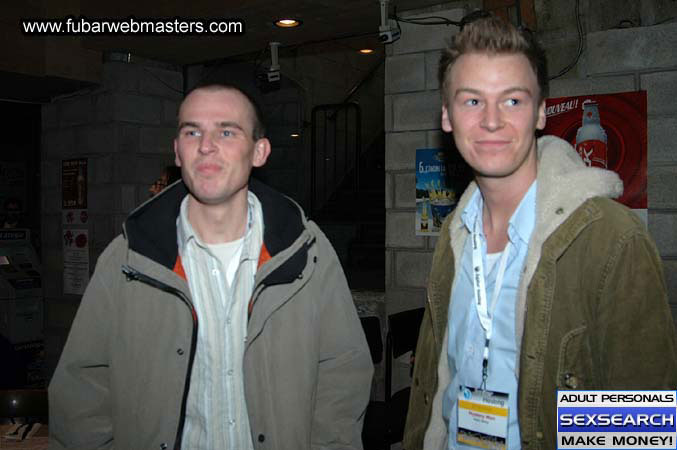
<point x="466" y="335"/>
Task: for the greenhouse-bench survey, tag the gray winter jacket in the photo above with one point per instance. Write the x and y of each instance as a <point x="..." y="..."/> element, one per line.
<point x="123" y="377"/>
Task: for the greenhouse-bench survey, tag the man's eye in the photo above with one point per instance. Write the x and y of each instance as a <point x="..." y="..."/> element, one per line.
<point x="226" y="133"/>
<point x="472" y="102"/>
<point x="193" y="133"/>
<point x="512" y="102"/>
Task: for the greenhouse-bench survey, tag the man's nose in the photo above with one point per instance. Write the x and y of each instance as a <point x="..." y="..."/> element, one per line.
<point x="492" y="118"/>
<point x="207" y="144"/>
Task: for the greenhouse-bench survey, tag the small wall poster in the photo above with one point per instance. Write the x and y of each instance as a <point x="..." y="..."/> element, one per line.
<point x="74" y="183"/>
<point x="434" y="198"/>
<point x="74" y="225"/>
<point x="75" y="260"/>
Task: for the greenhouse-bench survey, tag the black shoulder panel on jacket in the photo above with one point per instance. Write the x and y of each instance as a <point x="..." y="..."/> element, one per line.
<point x="290" y="270"/>
<point x="151" y="228"/>
<point x="282" y="218"/>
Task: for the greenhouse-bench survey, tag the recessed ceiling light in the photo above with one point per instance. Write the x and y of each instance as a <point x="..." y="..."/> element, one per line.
<point x="287" y="23"/>
<point x="295" y="135"/>
<point x="366" y="51"/>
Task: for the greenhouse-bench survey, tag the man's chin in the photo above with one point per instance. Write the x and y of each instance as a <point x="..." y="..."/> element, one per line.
<point x="493" y="172"/>
<point x="208" y="198"/>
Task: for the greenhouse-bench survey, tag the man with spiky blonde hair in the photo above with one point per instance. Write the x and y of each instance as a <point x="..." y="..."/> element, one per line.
<point x="539" y="280"/>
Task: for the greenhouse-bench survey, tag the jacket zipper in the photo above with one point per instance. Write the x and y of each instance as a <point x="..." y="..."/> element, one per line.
<point x="133" y="274"/>
<point x="256" y="294"/>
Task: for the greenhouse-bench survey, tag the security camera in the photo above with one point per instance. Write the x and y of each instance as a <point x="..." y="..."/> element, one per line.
<point x="270" y="80"/>
<point x="274" y="71"/>
<point x="273" y="75"/>
<point x="387" y="34"/>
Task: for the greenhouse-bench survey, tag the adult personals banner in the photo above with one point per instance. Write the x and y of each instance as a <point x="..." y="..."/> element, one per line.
<point x="608" y="131"/>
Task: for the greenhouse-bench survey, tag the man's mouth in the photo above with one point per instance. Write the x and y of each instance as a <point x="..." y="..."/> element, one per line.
<point x="208" y="168"/>
<point x="492" y="144"/>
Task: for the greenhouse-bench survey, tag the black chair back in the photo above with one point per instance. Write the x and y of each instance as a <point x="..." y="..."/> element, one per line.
<point x="404" y="327"/>
<point x="372" y="331"/>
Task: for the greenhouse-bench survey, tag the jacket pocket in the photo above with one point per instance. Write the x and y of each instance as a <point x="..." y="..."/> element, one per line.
<point x="575" y="360"/>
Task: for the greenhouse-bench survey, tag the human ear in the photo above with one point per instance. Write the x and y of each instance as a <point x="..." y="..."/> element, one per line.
<point x="177" y="160"/>
<point x="446" y="120"/>
<point x="261" y="152"/>
<point x="540" y="122"/>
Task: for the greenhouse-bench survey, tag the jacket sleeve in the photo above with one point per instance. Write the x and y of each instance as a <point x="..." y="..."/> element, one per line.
<point x="635" y="327"/>
<point x="345" y="368"/>
<point x="431" y="370"/>
<point x="79" y="392"/>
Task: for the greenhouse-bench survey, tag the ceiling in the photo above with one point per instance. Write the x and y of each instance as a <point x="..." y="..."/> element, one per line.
<point x="331" y="25"/>
<point x="322" y="20"/>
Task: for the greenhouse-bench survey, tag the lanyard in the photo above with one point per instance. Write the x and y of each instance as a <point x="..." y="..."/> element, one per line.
<point x="479" y="288"/>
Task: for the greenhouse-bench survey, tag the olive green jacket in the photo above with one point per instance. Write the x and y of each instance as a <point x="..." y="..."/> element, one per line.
<point x="591" y="308"/>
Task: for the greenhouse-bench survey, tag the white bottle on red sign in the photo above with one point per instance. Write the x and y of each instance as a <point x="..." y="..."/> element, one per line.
<point x="591" y="139"/>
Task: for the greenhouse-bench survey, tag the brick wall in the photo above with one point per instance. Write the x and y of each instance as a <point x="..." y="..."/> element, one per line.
<point x="125" y="130"/>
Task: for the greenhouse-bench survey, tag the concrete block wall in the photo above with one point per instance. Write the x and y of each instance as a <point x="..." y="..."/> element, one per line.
<point x="641" y="58"/>
<point x="412" y="120"/>
<point x="125" y="129"/>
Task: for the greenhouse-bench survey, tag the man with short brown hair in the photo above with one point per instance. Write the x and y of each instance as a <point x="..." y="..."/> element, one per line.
<point x="539" y="281"/>
<point x="221" y="318"/>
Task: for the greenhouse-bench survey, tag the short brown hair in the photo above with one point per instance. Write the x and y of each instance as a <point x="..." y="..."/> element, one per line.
<point x="493" y="35"/>
<point x="258" y="128"/>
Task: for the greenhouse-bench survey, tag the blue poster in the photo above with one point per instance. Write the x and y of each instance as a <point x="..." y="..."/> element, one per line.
<point x="434" y="199"/>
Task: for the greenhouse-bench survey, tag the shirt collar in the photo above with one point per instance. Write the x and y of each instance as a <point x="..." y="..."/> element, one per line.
<point x="472" y="209"/>
<point x="185" y="231"/>
<point x="521" y="223"/>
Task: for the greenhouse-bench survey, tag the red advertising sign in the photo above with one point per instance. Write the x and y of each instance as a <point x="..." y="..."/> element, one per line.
<point x="608" y="131"/>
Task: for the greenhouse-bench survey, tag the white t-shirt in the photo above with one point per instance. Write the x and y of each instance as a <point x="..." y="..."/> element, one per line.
<point x="229" y="255"/>
<point x="492" y="259"/>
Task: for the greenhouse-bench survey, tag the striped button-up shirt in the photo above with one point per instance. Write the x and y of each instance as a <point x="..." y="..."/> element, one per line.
<point x="216" y="411"/>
